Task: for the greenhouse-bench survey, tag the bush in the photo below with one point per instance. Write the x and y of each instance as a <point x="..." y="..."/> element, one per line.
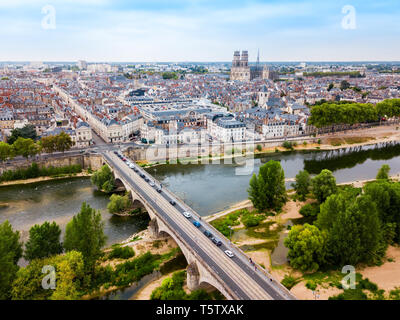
<point x="289" y="282"/>
<point x="121" y="253"/>
<point x="132" y="271"/>
<point x="252" y="220"/>
<point x="287" y="145"/>
<point x="311" y="285"/>
<point x="310" y="210"/>
<point x="222" y="225"/>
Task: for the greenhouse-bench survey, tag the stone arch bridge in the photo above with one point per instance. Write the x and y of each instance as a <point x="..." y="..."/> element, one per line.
<point x="208" y="265"/>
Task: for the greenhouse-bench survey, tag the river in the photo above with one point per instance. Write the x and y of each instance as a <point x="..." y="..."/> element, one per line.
<point x="211" y="188"/>
<point x="207" y="188"/>
<point x="59" y="201"/>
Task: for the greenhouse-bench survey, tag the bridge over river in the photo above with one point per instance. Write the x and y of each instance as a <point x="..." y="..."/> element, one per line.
<point x="208" y="265"/>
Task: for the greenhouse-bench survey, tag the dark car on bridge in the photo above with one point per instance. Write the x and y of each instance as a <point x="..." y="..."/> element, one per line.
<point x="216" y="241"/>
<point x="207" y="233"/>
<point x="172" y="202"/>
<point x="159" y="190"/>
<point x="142" y="175"/>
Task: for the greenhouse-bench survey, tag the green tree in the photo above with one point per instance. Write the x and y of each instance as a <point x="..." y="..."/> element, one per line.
<point x="355" y="235"/>
<point x="10" y="253"/>
<point x="386" y="196"/>
<point x="70" y="273"/>
<point x="6" y="151"/>
<point x="323" y="185"/>
<point x="330" y="209"/>
<point x="85" y="233"/>
<point x="44" y="241"/>
<point x="169" y="75"/>
<point x="27" y="132"/>
<point x="330" y="87"/>
<point x="48" y="144"/>
<point x="69" y="270"/>
<point x="267" y="190"/>
<point x="307" y="247"/>
<point x="302" y="184"/>
<point x="119" y="204"/>
<point x="104" y="179"/>
<point x="28" y="283"/>
<point x="383" y="173"/>
<point x="25" y="147"/>
<point x="63" y="142"/>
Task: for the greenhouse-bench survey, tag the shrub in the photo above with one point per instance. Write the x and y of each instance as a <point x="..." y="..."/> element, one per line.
<point x="311" y="285"/>
<point x="252" y="220"/>
<point x="289" y="282"/>
<point x="222" y="225"/>
<point x="121" y="253"/>
<point x="287" y="145"/>
<point x="310" y="210"/>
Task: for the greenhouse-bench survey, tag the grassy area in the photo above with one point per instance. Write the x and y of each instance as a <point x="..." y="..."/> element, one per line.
<point x="336" y="142"/>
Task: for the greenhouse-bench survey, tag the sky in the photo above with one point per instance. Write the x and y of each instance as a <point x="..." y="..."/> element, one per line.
<point x="199" y="30"/>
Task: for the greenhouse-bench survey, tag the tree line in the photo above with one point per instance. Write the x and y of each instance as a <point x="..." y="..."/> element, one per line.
<point x="327" y="114"/>
<point x="28" y="147"/>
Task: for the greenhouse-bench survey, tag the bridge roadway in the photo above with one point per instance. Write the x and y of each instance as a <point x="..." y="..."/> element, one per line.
<point x="235" y="273"/>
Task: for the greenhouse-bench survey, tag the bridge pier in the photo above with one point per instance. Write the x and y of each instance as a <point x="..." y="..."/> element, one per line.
<point x="154" y="230"/>
<point x="193" y="276"/>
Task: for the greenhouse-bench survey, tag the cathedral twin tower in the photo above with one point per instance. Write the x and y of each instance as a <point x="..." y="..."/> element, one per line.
<point x="241" y="70"/>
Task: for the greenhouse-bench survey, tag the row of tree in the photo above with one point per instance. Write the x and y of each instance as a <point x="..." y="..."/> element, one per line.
<point x="27" y="147"/>
<point x="352" y="225"/>
<point x="84" y="237"/>
<point x="328" y="113"/>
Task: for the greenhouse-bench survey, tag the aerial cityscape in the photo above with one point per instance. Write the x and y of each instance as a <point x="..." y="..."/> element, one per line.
<point x="199" y="155"/>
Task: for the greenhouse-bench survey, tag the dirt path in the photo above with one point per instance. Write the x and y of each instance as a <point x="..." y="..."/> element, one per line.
<point x="145" y="292"/>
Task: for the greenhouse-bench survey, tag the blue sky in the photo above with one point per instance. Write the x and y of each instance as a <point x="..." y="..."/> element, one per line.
<point x="199" y="30"/>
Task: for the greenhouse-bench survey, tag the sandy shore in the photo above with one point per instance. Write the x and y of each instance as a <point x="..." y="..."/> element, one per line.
<point x="386" y="276"/>
<point x="40" y="179"/>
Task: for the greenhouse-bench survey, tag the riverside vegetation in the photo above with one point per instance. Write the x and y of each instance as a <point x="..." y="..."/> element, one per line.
<point x="344" y="225"/>
<point x="83" y="269"/>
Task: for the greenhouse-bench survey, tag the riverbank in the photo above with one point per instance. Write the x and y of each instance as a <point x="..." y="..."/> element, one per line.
<point x="325" y="142"/>
<point x="42" y="179"/>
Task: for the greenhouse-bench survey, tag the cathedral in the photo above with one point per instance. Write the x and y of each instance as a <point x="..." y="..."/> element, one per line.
<point x="243" y="72"/>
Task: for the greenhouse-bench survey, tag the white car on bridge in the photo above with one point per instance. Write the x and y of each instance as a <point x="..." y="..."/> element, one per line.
<point x="187" y="214"/>
<point x="229" y="253"/>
